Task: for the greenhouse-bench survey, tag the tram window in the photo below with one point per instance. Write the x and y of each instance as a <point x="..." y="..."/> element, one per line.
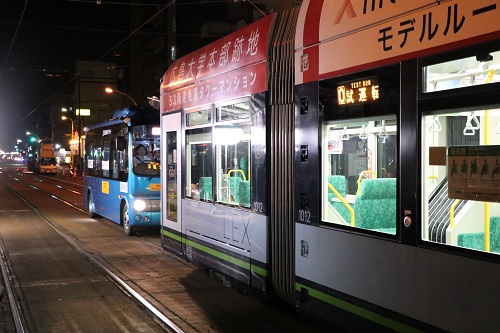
<point x="171" y="159"/>
<point x="199" y="117"/>
<point x="199" y="163"/>
<point x="233" y="111"/>
<point x="461" y="179"/>
<point x="481" y="69"/>
<point x="232" y="142"/>
<point x="359" y="171"/>
<point x="461" y="159"/>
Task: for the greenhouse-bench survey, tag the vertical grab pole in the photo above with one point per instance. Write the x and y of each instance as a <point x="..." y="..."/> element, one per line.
<point x="487" y="142"/>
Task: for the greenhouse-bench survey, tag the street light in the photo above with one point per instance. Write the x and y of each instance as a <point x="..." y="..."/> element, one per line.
<point x="31" y="157"/>
<point x="71" y="142"/>
<point x="72" y="125"/>
<point x="111" y="90"/>
<point x="33" y="137"/>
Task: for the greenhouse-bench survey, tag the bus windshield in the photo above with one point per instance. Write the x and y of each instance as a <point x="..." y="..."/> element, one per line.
<point x="146" y="151"/>
<point x="147" y="168"/>
<point x="48" y="161"/>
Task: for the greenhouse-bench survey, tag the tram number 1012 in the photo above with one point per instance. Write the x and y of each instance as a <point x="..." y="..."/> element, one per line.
<point x="304" y="216"/>
<point x="258" y="207"/>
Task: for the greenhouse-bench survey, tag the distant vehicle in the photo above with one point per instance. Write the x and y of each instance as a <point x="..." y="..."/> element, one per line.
<point x="47" y="165"/>
<point x="43" y="160"/>
<point x="116" y="188"/>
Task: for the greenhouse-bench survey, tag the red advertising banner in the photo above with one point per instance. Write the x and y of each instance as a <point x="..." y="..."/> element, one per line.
<point x="221" y="70"/>
<point x="214" y="89"/>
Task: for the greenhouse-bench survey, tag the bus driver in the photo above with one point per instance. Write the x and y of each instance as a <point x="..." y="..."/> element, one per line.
<point x="140" y="155"/>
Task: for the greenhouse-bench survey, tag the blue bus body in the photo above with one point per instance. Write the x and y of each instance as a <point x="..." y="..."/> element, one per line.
<point x="115" y="187"/>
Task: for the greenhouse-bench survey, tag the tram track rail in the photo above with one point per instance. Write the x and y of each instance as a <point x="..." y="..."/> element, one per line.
<point x="68" y="186"/>
<point x="82" y="249"/>
<point x="17" y="318"/>
<point x="82" y="210"/>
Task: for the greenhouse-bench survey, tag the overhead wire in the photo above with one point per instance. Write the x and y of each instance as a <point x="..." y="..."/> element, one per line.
<point x="77" y="75"/>
<point x="14" y="38"/>
<point x="103" y="2"/>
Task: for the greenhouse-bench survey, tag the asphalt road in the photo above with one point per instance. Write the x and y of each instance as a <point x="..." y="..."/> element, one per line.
<point x="60" y="290"/>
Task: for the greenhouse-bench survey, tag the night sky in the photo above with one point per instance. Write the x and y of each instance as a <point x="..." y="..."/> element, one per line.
<point x="40" y="37"/>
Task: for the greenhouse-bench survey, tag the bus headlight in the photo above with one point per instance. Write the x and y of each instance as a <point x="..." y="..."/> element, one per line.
<point x="139" y="205"/>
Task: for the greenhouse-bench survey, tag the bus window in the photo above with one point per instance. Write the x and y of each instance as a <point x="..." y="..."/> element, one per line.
<point x="89" y="154"/>
<point x="146" y="142"/>
<point x="105" y="158"/>
<point x="120" y="158"/>
<point x="98" y="159"/>
<point x="359" y="171"/>
<point x="199" y="164"/>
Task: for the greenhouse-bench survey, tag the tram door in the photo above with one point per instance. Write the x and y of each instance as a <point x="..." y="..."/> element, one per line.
<point x="171" y="181"/>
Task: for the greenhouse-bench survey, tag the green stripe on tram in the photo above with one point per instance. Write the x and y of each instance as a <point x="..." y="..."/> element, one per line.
<point x="218" y="254"/>
<point x="171" y="235"/>
<point x="357" y="310"/>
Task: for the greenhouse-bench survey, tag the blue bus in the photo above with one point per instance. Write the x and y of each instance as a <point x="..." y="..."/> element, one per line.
<point x="117" y="185"/>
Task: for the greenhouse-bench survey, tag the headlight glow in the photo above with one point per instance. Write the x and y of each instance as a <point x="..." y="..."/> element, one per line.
<point x="139" y="205"/>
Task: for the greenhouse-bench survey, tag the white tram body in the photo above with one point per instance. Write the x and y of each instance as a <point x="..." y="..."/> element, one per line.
<point x="344" y="155"/>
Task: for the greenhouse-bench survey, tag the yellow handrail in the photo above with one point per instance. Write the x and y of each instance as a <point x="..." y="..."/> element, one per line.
<point x="452" y="212"/>
<point x="351" y="211"/>
<point x="487" y="233"/>
<point x="361" y="177"/>
<point x="237" y="170"/>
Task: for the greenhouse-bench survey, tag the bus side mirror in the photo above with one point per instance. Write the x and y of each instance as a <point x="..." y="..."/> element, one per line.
<point x="121" y="143"/>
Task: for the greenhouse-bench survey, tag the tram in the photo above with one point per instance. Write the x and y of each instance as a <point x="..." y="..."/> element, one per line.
<point x="344" y="155"/>
<point x="117" y="185"/>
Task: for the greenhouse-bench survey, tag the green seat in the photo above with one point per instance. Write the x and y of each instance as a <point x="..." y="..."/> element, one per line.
<point x="244" y="193"/>
<point x="375" y="206"/>
<point x="205" y="188"/>
<point x="495" y="234"/>
<point x="471" y="240"/>
<point x="234" y="188"/>
<point x="475" y="240"/>
<point x="339" y="183"/>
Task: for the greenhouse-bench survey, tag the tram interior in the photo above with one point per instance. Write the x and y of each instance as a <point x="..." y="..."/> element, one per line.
<point x="231" y="138"/>
<point x="460" y="162"/>
<point x="460" y="178"/>
<point x="359" y="173"/>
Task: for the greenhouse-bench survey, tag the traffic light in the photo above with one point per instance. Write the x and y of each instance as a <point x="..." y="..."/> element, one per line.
<point x="32" y="139"/>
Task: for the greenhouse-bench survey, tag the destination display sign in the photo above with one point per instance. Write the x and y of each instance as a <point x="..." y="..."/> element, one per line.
<point x="358" y="92"/>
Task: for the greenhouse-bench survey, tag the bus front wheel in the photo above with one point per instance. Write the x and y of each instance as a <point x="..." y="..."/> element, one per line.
<point x="90" y="206"/>
<point x="125" y="220"/>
